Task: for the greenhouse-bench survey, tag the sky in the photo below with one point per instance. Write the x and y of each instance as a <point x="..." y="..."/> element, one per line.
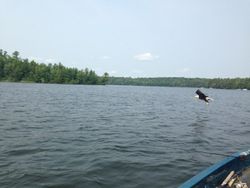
<point x="132" y="38"/>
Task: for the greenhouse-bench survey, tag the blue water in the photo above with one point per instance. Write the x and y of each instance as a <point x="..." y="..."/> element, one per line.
<point x="115" y="136"/>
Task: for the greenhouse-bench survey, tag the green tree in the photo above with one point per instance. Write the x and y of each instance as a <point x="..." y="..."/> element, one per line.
<point x="15" y="54"/>
<point x="104" y="79"/>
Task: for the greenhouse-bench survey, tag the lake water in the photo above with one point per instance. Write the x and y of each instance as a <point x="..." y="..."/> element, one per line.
<point x="115" y="136"/>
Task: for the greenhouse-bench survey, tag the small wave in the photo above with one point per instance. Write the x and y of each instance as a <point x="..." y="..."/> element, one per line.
<point x="19" y="111"/>
<point x="121" y="148"/>
<point x="18" y="152"/>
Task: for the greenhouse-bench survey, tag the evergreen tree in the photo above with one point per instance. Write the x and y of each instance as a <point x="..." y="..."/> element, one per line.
<point x="13" y="68"/>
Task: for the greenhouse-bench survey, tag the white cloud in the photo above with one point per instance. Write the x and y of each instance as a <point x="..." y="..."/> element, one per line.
<point x="112" y="72"/>
<point x="105" y="57"/>
<point x="184" y="70"/>
<point x="145" y="57"/>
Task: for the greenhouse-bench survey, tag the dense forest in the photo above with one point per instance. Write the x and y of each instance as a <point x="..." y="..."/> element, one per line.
<point x="15" y="69"/>
<point x="225" y="83"/>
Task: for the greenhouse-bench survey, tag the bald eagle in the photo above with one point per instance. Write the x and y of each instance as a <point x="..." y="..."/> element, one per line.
<point x="202" y="96"/>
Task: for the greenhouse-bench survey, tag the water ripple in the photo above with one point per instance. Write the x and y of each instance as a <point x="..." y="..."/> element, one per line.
<point x="112" y="136"/>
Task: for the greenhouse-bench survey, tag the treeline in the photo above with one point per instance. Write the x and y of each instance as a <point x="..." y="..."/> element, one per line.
<point x="15" y="69"/>
<point x="221" y="83"/>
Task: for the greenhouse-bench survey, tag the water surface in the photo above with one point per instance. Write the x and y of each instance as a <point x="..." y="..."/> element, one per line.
<point x="115" y="136"/>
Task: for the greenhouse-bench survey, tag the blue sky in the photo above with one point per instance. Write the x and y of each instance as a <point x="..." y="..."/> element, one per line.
<point x="137" y="38"/>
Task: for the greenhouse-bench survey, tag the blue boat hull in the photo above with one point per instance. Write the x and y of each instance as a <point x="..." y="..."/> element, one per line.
<point x="214" y="175"/>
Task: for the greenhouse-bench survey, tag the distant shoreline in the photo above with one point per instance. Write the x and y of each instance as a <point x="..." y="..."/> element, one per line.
<point x="18" y="70"/>
<point x="216" y="83"/>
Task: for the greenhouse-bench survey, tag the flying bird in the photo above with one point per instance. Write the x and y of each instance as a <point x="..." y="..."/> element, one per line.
<point x="202" y="96"/>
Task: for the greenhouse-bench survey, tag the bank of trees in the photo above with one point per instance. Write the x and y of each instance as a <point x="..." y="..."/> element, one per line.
<point x="15" y="69"/>
<point x="221" y="83"/>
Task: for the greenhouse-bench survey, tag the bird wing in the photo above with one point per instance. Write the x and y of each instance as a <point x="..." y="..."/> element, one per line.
<point x="198" y="92"/>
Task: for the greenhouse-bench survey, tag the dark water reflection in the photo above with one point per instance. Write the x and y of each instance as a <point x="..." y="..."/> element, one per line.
<point x="114" y="136"/>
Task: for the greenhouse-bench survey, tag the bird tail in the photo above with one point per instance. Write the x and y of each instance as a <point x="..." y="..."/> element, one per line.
<point x="210" y="99"/>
